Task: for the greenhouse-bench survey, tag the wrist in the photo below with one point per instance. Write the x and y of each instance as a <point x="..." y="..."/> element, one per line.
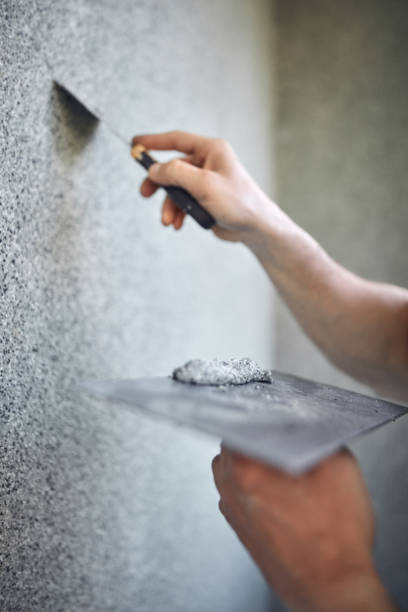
<point x="278" y="241"/>
<point x="360" y="590"/>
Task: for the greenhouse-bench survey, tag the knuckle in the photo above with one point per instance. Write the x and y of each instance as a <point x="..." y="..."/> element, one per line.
<point x="221" y="144"/>
<point x="177" y="137"/>
<point x="173" y="165"/>
<point x="215" y="464"/>
<point x="222" y="507"/>
<point x="173" y="133"/>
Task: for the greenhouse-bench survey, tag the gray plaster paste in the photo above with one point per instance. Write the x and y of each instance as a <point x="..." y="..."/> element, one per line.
<point x="221" y="372"/>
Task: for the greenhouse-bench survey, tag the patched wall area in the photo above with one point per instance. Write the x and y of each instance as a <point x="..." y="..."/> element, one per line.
<point x="342" y="159"/>
<point x="101" y="509"/>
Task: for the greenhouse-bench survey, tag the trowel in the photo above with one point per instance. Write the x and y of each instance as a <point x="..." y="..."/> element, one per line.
<point x="291" y="423"/>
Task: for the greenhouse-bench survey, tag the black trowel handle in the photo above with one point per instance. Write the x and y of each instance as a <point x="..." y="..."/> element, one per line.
<point x="190" y="206"/>
<point x="180" y="196"/>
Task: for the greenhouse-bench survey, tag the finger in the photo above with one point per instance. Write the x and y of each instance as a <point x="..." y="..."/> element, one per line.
<point x="232" y="457"/>
<point x="182" y="221"/>
<point x="189" y="159"/>
<point x="215" y="462"/>
<point x="176" y="172"/>
<point x="169" y="211"/>
<point x="216" y="470"/>
<point x="247" y="472"/>
<point x="230" y="460"/>
<point x="173" y="141"/>
<point x="179" y="219"/>
<point x="340" y="462"/>
<point x="196" y="159"/>
<point x="228" y="457"/>
<point x="148" y="188"/>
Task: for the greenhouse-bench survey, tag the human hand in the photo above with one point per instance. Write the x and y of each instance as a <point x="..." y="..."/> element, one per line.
<point x="310" y="535"/>
<point x="213" y="174"/>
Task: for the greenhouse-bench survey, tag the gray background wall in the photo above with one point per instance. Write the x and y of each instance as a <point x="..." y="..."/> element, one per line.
<point x="342" y="160"/>
<point x="101" y="509"/>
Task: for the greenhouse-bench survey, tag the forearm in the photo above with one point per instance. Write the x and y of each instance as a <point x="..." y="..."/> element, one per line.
<point x="361" y="326"/>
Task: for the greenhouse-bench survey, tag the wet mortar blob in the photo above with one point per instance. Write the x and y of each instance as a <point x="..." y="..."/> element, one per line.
<point x="218" y="372"/>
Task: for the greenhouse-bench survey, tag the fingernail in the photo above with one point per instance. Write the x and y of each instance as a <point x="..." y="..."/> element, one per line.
<point x="135" y="140"/>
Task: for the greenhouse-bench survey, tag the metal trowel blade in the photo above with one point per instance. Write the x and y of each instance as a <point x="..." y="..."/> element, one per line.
<point x="291" y="424"/>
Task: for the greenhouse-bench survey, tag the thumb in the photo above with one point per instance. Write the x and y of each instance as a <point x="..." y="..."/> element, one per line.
<point x="181" y="174"/>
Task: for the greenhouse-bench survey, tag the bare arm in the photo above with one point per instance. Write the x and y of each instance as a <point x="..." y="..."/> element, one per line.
<point x="362" y="327"/>
<point x="311" y="535"/>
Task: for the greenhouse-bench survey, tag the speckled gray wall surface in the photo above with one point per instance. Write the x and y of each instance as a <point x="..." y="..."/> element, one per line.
<point x="100" y="509"/>
<point x="342" y="159"/>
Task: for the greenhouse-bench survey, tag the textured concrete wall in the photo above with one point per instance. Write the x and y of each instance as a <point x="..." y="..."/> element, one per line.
<point x="101" y="509"/>
<point x="342" y="159"/>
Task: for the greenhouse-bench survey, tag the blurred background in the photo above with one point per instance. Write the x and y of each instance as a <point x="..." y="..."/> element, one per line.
<point x="103" y="510"/>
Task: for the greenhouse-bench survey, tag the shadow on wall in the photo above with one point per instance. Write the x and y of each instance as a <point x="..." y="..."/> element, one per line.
<point x="73" y="125"/>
